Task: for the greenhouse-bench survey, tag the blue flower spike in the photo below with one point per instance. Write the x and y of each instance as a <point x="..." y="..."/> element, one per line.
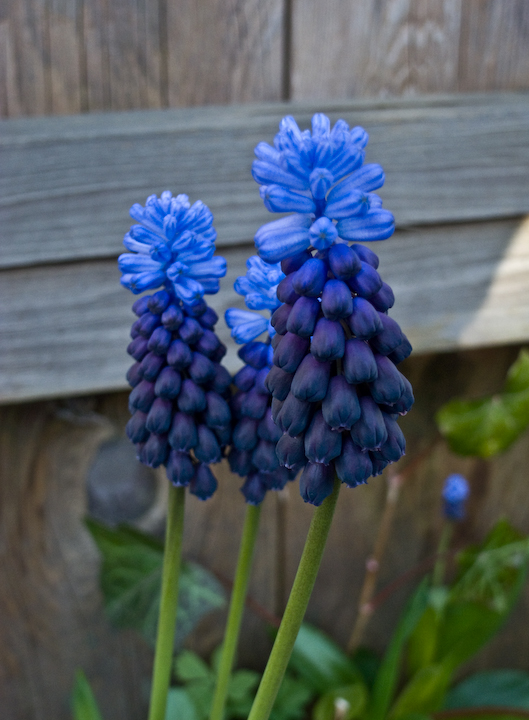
<point x="336" y="388"/>
<point x="253" y="453"/>
<point x="179" y="403"/>
<point x="455" y="494"/>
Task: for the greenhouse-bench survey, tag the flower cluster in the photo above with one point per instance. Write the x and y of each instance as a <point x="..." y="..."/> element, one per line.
<point x="337" y="391"/>
<point x="254" y="434"/>
<point x="180" y="414"/>
<point x="455" y="493"/>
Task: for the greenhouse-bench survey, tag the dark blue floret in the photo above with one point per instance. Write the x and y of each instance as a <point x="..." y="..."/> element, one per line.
<point x="179" y="354"/>
<point x="190" y="330"/>
<point x="147" y="324"/>
<point x="384" y="299"/>
<point x="309" y="280"/>
<point x="365" y="283"/>
<point x="336" y="300"/>
<point x="341" y="407"/>
<point x="294" y="415"/>
<point x="160" y="340"/>
<point x="151" y="366"/>
<point x="311" y="379"/>
<point x="134" y="374"/>
<point x="207" y="450"/>
<point x="316" y="482"/>
<point x="158" y="302"/>
<point x="168" y="384"/>
<point x="322" y="444"/>
<point x="290" y="352"/>
<point x="254" y="489"/>
<point x="240" y="461"/>
<point x="245" y="434"/>
<point x="159" y="417"/>
<point x="172" y="318"/>
<point x="180" y="469"/>
<point x="285" y="291"/>
<point x="192" y="397"/>
<point x="155" y="451"/>
<point x="183" y="434"/>
<point x="138" y="348"/>
<point x="201" y="368"/>
<point x="364" y="322"/>
<point x="142" y="396"/>
<point x="353" y="467"/>
<point x="278" y="382"/>
<point x="267" y="429"/>
<point x="303" y="316"/>
<point x="136" y="427"/>
<point x="280" y="317"/>
<point x="291" y="450"/>
<point x="203" y="484"/>
<point x="328" y="341"/>
<point x="264" y="457"/>
<point x="388" y="387"/>
<point x="343" y="262"/>
<point x="254" y="404"/>
<point x="369" y="432"/>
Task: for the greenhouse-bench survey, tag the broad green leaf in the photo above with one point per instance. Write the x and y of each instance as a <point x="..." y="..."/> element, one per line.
<point x="189" y="666"/>
<point x="388" y="673"/>
<point x="368" y="663"/>
<point x="292" y="699"/>
<point x="424" y="693"/>
<point x="489" y="425"/>
<point x="320" y="661"/>
<point x="130" y="580"/>
<point x="354" y="698"/>
<point x="507" y="688"/>
<point x="422" y="645"/>
<point x="201" y="694"/>
<point x="242" y="685"/>
<point x="180" y="706"/>
<point x="84" y="705"/>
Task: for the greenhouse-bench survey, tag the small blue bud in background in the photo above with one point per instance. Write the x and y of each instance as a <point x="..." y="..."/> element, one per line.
<point x="455" y="493"/>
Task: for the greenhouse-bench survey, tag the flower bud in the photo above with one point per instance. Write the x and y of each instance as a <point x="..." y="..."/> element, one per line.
<point x="254" y="404"/>
<point x="155" y="451"/>
<point x="365" y="320"/>
<point x="290" y="450"/>
<point x="388" y="386"/>
<point x="207" y="449"/>
<point x="390" y="337"/>
<point x="245" y="378"/>
<point x="310" y="278"/>
<point x="208" y="319"/>
<point x="343" y="261"/>
<point x="136" y="428"/>
<point x="383" y="299"/>
<point x="183" y="433"/>
<point x="141" y="305"/>
<point x="245" y="434"/>
<point x="168" y="384"/>
<point x="159" y="417"/>
<point x="138" y="348"/>
<point x="172" y="318"/>
<point x="455" y="493"/>
<point x="254" y="489"/>
<point x="255" y="354"/>
<point x="190" y="330"/>
<point x="365" y="283"/>
<point x="341" y="407"/>
<point x="290" y="352"/>
<point x="201" y="369"/>
<point x="217" y="411"/>
<point x="267" y="429"/>
<point x="147" y="324"/>
<point x="359" y="364"/>
<point x="264" y="457"/>
<point x="316" y="483"/>
<point x="285" y="290"/>
<point x="395" y="446"/>
<point x="160" y="340"/>
<point x="311" y="379"/>
<point x="134" y="374"/>
<point x="142" y="396"/>
<point x="208" y="343"/>
<point x="222" y="379"/>
<point x="328" y="341"/>
<point x="321" y="444"/>
<point x="336" y="300"/>
<point x="260" y="384"/>
<point x="369" y="432"/>
<point x="294" y="415"/>
<point x="180" y="469"/>
<point x="401" y="352"/>
<point x="378" y="463"/>
<point x="204" y="483"/>
<point x="353" y="467"/>
<point x="151" y="366"/>
<point x="179" y="355"/>
<point x="366" y="255"/>
<point x="294" y="262"/>
<point x="240" y="461"/>
<point x="192" y="398"/>
<point x="158" y="302"/>
<point x="303" y="316"/>
<point x="279" y="318"/>
<point x="223" y="434"/>
<point x="278" y="382"/>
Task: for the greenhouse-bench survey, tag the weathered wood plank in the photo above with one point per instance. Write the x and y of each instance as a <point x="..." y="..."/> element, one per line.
<point x="370" y="48"/>
<point x="494" y="45"/>
<point x="65" y="327"/>
<point x="221" y="52"/>
<point x="65" y="56"/>
<point x="67" y="183"/>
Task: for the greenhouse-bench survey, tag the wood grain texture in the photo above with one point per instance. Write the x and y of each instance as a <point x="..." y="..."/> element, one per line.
<point x="65" y="56"/>
<point x="66" y="327"/>
<point x="221" y="52"/>
<point x="395" y="47"/>
<point x="494" y="45"/>
<point x="446" y="160"/>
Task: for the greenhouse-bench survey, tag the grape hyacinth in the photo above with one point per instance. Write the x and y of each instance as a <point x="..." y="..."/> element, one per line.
<point x="337" y="391"/>
<point x="255" y="434"/>
<point x="455" y="494"/>
<point x="180" y="415"/>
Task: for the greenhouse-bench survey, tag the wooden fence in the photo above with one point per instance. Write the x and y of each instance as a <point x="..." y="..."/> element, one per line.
<point x="457" y="181"/>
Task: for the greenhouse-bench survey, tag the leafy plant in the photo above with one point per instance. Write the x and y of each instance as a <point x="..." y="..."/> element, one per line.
<point x="131" y="580"/>
<point x="487" y="426"/>
<point x="84" y="705"/>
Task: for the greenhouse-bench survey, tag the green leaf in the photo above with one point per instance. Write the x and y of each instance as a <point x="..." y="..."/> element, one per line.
<point x="242" y="685"/>
<point x="368" y="663"/>
<point x="320" y="661"/>
<point x="424" y="693"/>
<point x="508" y="688"/>
<point x="84" y="705"/>
<point x="422" y="645"/>
<point x="489" y="425"/>
<point x="354" y="698"/>
<point x="180" y="706"/>
<point x="130" y="580"/>
<point x="201" y="694"/>
<point x="388" y="673"/>
<point x="189" y="666"/>
<point x="292" y="699"/>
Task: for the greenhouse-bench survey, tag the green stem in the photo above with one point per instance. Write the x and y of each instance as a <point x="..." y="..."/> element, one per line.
<point x="238" y="596"/>
<point x="442" y="549"/>
<point x="296" y="607"/>
<point x="168" y="604"/>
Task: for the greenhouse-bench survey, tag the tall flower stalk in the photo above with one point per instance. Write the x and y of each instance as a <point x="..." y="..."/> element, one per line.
<point x="336" y="388"/>
<point x="179" y="401"/>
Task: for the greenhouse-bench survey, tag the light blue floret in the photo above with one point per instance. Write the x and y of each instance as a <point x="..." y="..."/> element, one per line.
<point x="314" y="175"/>
<point x="259" y="288"/>
<point x="173" y="246"/>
